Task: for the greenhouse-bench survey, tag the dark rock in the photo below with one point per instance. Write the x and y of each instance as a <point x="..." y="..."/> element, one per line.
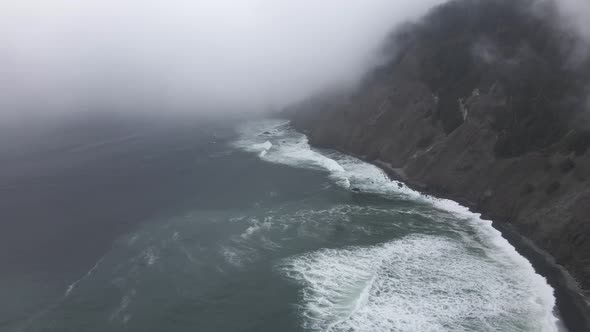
<point x="481" y="100"/>
<point x="356" y="190"/>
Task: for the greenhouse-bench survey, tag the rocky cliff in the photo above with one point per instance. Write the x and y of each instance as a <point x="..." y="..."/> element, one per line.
<point x="485" y="102"/>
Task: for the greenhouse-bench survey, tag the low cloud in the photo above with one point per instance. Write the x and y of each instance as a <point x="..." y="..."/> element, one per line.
<point x="68" y="56"/>
<point x="573" y="16"/>
<point x="576" y="15"/>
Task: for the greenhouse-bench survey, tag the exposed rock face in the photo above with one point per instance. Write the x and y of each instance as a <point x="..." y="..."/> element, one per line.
<point x="484" y="104"/>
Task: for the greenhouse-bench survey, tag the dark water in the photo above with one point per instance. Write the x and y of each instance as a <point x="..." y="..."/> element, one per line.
<point x="241" y="227"/>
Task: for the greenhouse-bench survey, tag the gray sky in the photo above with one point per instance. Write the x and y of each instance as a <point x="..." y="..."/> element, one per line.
<point x="71" y="56"/>
<point x="576" y="15"/>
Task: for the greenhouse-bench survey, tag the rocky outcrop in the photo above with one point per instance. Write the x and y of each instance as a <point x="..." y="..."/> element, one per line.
<point x="484" y="103"/>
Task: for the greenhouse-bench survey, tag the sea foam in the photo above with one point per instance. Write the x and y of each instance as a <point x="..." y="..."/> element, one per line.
<point x="410" y="284"/>
<point x="276" y="142"/>
<point x="417" y="283"/>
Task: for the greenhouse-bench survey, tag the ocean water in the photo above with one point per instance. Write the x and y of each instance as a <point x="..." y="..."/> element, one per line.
<point x="245" y="227"/>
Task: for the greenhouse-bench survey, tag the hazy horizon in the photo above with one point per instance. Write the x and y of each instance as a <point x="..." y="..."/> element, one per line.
<point x="71" y="57"/>
<point x="180" y="57"/>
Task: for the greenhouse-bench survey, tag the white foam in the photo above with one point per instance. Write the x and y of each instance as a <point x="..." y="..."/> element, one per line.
<point x="73" y="285"/>
<point x="264" y="146"/>
<point x="288" y="147"/>
<point x="123" y="306"/>
<point x="292" y="148"/>
<point x="150" y="256"/>
<point x="255" y="227"/>
<point x="414" y="284"/>
<point x="371" y="179"/>
<point x="131" y="241"/>
<point x="501" y="250"/>
<point x="231" y="255"/>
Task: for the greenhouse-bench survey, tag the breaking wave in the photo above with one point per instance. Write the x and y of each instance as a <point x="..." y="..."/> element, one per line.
<point x="417" y="283"/>
<point x="275" y="142"/>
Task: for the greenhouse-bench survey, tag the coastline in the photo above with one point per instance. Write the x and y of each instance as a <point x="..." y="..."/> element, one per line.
<point x="485" y="134"/>
<point x="572" y="307"/>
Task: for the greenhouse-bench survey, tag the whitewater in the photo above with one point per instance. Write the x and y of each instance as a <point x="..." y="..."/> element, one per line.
<point x="416" y="283"/>
<point x="263" y="232"/>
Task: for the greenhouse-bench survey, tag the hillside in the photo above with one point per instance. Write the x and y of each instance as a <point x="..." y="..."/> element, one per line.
<point x="485" y="102"/>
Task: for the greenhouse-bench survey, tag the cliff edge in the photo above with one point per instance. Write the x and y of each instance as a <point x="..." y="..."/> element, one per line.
<point x="485" y="102"/>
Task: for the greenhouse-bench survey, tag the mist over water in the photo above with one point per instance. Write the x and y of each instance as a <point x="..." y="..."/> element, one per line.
<point x="168" y="57"/>
<point x="576" y="14"/>
<point x="181" y="56"/>
<point x="134" y="196"/>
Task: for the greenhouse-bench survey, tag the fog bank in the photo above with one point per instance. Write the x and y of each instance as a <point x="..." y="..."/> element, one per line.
<point x="195" y="56"/>
<point x="576" y="15"/>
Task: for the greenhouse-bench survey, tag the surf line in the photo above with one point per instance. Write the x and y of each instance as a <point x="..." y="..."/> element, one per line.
<point x="73" y="285"/>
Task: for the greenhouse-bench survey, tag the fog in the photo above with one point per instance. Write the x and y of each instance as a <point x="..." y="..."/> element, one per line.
<point x="65" y="56"/>
<point x="576" y="15"/>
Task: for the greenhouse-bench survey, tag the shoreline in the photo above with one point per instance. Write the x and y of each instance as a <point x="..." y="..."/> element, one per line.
<point x="571" y="306"/>
<point x="573" y="309"/>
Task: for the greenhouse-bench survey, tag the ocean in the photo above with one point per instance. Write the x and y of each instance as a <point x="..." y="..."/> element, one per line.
<point x="242" y="226"/>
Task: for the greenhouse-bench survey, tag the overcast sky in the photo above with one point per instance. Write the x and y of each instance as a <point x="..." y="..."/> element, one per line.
<point x="576" y="15"/>
<point x="60" y="56"/>
<point x="71" y="56"/>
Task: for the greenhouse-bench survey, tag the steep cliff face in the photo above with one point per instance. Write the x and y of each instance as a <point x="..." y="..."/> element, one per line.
<point x="483" y="102"/>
